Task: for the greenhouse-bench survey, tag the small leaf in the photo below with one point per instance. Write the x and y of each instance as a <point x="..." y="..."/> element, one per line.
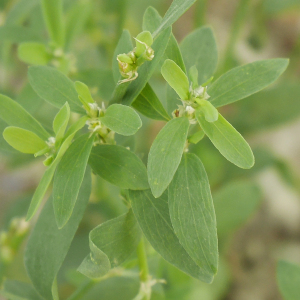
<point x="23" y="140"/>
<point x="193" y="216"/>
<point x="133" y="89"/>
<point x="143" y="38"/>
<point x="48" y="246"/>
<point x="288" y="277"/>
<point x="61" y="120"/>
<point x="153" y="217"/>
<point x="84" y="92"/>
<point x="165" y="154"/>
<point x="234" y="204"/>
<point x="228" y="141"/>
<point x="111" y="244"/>
<point x="53" y="16"/>
<point x="121" y="119"/>
<point x="48" y="175"/>
<point x="177" y="8"/>
<point x="68" y="178"/>
<point x="119" y="166"/>
<point x="14" y="114"/>
<point x="176" y="78"/>
<point x="17" y="290"/>
<point x="199" y="49"/>
<point x="34" y="54"/>
<point x="246" y="80"/>
<point x="211" y="114"/>
<point x="54" y="87"/>
<point x="196" y="137"/>
<point x="148" y="104"/>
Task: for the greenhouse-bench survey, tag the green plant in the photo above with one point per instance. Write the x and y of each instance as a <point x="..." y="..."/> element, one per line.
<point x="169" y="203"/>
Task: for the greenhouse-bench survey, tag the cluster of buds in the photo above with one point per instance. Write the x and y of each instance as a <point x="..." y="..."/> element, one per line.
<point x="129" y="63"/>
<point x="185" y="110"/>
<point x="103" y="134"/>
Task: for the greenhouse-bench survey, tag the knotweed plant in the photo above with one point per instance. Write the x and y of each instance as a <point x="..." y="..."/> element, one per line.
<point x="169" y="200"/>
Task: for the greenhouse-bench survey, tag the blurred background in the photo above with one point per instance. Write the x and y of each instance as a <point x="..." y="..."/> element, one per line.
<point x="258" y="210"/>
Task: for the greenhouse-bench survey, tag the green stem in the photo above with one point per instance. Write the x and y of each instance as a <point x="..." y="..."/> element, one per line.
<point x="236" y="27"/>
<point x="142" y="261"/>
<point x="81" y="291"/>
<point x="200" y="13"/>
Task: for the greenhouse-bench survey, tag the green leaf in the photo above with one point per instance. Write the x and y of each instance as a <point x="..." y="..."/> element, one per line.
<point x="145" y="71"/>
<point x="34" y="54"/>
<point x="60" y="121"/>
<point x="151" y="21"/>
<point x="176" y="78"/>
<point x="111" y="244"/>
<point x="165" y="154"/>
<point x="19" y="34"/>
<point x="288" y="278"/>
<point x="153" y="217"/>
<point x="143" y="38"/>
<point x="23" y="140"/>
<point x="199" y="48"/>
<point x="196" y="137"/>
<point x="119" y="166"/>
<point x="148" y="104"/>
<point x="177" y="8"/>
<point x="69" y="176"/>
<point x="54" y="87"/>
<point x="48" y="246"/>
<point x="121" y="119"/>
<point x="193" y="216"/>
<point x="234" y="204"/>
<point x="228" y="141"/>
<point x="246" y="80"/>
<point x="124" y="46"/>
<point x="48" y="175"/>
<point x="53" y="16"/>
<point x="15" y="115"/>
<point x="17" y="290"/>
<point x="84" y="93"/>
<point x="211" y="114"/>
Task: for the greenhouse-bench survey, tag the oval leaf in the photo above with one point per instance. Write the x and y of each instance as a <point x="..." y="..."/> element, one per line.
<point x="61" y="120"/>
<point x="153" y="217"/>
<point x="121" y="119"/>
<point x="228" y="141"/>
<point x="14" y="114"/>
<point x="111" y="244"/>
<point x="34" y="54"/>
<point x="68" y="177"/>
<point x="246" y="80"/>
<point x="176" y="78"/>
<point x="54" y="87"/>
<point x="199" y="48"/>
<point x="119" y="166"/>
<point x="165" y="154"/>
<point x="192" y="214"/>
<point x="23" y="140"/>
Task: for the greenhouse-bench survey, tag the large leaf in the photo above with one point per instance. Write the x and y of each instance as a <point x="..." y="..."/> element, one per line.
<point x="177" y="8"/>
<point x="153" y="217"/>
<point x="193" y="216"/>
<point x="23" y="140"/>
<point x="148" y="104"/>
<point x="53" y="16"/>
<point x="54" y="87"/>
<point x="48" y="175"/>
<point x="121" y="119"/>
<point x="111" y="244"/>
<point x="228" y="141"/>
<point x="176" y="78"/>
<point x="119" y="166"/>
<point x="288" y="277"/>
<point x="69" y="176"/>
<point x="15" y="115"/>
<point x="48" y="246"/>
<point x="246" y="80"/>
<point x="234" y="204"/>
<point x="17" y="290"/>
<point x="199" y="48"/>
<point x="145" y="71"/>
<point x="165" y="154"/>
